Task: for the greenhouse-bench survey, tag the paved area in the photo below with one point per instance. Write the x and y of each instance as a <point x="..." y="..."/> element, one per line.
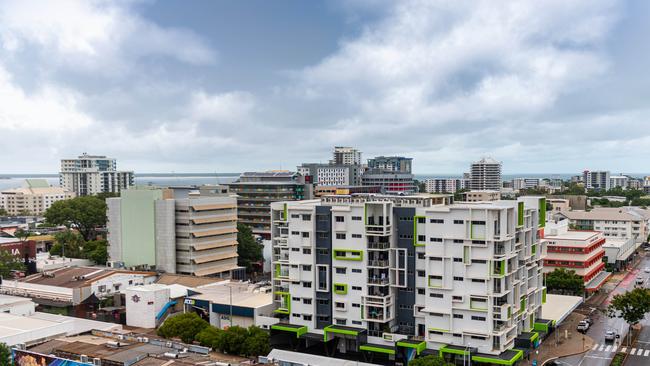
<point x="566" y="341"/>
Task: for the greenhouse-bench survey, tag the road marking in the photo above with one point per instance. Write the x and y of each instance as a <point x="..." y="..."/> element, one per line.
<point x="595" y="347"/>
<point x="600" y="358"/>
<point x="640" y="352"/>
<point x="642" y="342"/>
<point x="608" y="348"/>
<point x="624" y="349"/>
<point x="633" y="351"/>
<point x="602" y="346"/>
<point x="646" y="353"/>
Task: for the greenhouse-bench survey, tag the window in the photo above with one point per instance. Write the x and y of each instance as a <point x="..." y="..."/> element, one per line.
<point x="306" y="284"/>
<point x="421" y="220"/>
<point x="437" y="221"/>
<point x="306" y="267"/>
<point x="356" y="288"/>
<point x="456" y="278"/>
<point x="340" y="235"/>
<point x="459" y="241"/>
<point x="438" y="259"/>
<point x="458" y="316"/>
<point x="340" y="270"/>
<point x="478" y="318"/>
<point x="420" y="291"/>
<point x="421" y="273"/>
<point x="306" y="217"/>
<point x="295" y="216"/>
<point x="306" y="301"/>
<point x="322" y="235"/>
<point x="439" y="296"/>
<point x="356" y="270"/>
<point x="339" y="218"/>
<point x="341" y="321"/>
<point x="457" y="335"/>
<point x="102" y="288"/>
<point x="437" y="240"/>
<point x="306" y="317"/>
<point x="305" y="234"/>
<point x="420" y="255"/>
<point x="339" y="305"/>
<point x="356" y="236"/>
<point x="458" y="259"/>
<point x="356" y="218"/>
<point x="479" y="337"/>
<point x="306" y="251"/>
<point x="479" y="261"/>
<point x="478" y="280"/>
<point x="356" y="305"/>
<point x="323" y="252"/>
<point x="478" y="241"/>
<point x="459" y="222"/>
<point x="295" y="298"/>
<point x="295" y="233"/>
<point x="295" y="249"/>
<point x="478" y="222"/>
<point x="295" y="315"/>
<point x="356" y="322"/>
<point x="322" y="218"/>
<point x="457" y="298"/>
<point x="421" y="238"/>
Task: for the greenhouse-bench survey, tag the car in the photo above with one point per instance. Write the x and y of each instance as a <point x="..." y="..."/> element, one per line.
<point x="646" y="270"/>
<point x="610" y="335"/>
<point x="583" y="326"/>
<point x="640" y="280"/>
<point x="588" y="320"/>
<point x="647" y="249"/>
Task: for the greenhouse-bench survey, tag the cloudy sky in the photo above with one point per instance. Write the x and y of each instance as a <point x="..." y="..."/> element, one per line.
<point x="226" y="86"/>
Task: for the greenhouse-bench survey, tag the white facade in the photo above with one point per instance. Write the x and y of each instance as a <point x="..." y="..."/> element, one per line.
<point x="90" y="175"/>
<point x="346" y="156"/>
<point x="333" y="175"/>
<point x="621" y="181"/>
<point x="485" y="175"/>
<point x="35" y="197"/>
<point x="527" y="183"/>
<point x="143" y="303"/>
<point x="410" y="266"/>
<point x="624" y="222"/>
<point x="597" y="179"/>
<point x="444" y="185"/>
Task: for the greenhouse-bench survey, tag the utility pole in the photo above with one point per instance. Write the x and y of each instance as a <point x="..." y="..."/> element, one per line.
<point x="230" y="288"/>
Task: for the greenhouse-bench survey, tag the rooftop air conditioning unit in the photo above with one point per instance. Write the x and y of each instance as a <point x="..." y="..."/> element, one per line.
<point x="83" y="358"/>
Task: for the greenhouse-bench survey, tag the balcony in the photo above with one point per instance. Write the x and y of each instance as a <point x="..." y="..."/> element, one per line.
<point x="379" y="246"/>
<point x="378" y="281"/>
<point x="379" y="263"/>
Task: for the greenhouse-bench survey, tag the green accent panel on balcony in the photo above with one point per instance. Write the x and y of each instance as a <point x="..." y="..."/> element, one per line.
<point x="377" y="348"/>
<point x="455" y="350"/>
<point x="534" y="249"/>
<point x="497" y="360"/>
<point x="419" y="346"/>
<point x="298" y="330"/>
<point x="522" y="304"/>
<point x="338" y="329"/>
<point x="342" y="254"/>
<point x="542" y="212"/>
<point x="520" y="214"/>
<point x="415" y="231"/>
<point x="340" y="288"/>
<point x="285" y="213"/>
<point x="544" y="295"/>
<point x="286" y="300"/>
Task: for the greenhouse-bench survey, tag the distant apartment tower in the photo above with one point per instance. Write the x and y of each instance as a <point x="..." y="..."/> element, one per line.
<point x="344" y="155"/>
<point x="527" y="183"/>
<point x="599" y="180"/>
<point x="621" y="181"/>
<point x="332" y="174"/>
<point x="445" y="185"/>
<point x="391" y="164"/>
<point x="375" y="273"/>
<point x="34" y="197"/>
<point x="175" y="231"/>
<point x="257" y="190"/>
<point x="485" y="175"/>
<point x="91" y="174"/>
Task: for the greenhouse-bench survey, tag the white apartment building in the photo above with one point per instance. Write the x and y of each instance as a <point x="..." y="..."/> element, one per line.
<point x="92" y="174"/>
<point x="485" y="175"/>
<point x="34" y="197"/>
<point x="527" y="183"/>
<point x="345" y="155"/>
<point x="622" y="222"/>
<point x="621" y="181"/>
<point x="445" y="185"/>
<point x="596" y="179"/>
<point x="374" y="273"/>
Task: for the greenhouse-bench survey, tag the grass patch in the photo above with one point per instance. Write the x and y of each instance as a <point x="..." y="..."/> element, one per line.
<point x="618" y="359"/>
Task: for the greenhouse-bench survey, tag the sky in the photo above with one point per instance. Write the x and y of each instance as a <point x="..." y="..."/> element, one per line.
<point x="557" y="86"/>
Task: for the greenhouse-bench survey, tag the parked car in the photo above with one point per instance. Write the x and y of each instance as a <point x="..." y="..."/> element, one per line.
<point x="610" y="336"/>
<point x="583" y="326"/>
<point x="640" y="280"/>
<point x="588" y="320"/>
<point x="646" y="270"/>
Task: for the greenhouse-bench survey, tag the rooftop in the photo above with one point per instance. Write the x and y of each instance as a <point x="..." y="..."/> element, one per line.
<point x="574" y="235"/>
<point x="243" y="295"/>
<point x="75" y="277"/>
<point x="609" y="213"/>
<point x="10" y="300"/>
<point x="187" y="281"/>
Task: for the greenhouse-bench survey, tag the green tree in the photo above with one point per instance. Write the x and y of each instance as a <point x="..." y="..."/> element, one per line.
<point x="3" y="212"/>
<point x="459" y="196"/>
<point x="631" y="306"/>
<point x="234" y="339"/>
<point x="96" y="251"/>
<point x="565" y="282"/>
<point x="5" y="355"/>
<point x="22" y="234"/>
<point x="257" y="342"/>
<point x="86" y="214"/>
<point x="25" y="213"/>
<point x="8" y="263"/>
<point x="104" y="195"/>
<point x="68" y="243"/>
<point x="430" y="360"/>
<point x="209" y="337"/>
<point x="248" y="250"/>
<point x="185" y="326"/>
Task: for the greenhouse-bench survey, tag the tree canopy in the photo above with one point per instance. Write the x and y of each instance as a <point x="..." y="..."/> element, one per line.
<point x="8" y="263"/>
<point x="248" y="250"/>
<point x="71" y="244"/>
<point x="86" y="214"/>
<point x="185" y="326"/>
<point x="430" y="360"/>
<point x="631" y="306"/>
<point x="564" y="282"/>
<point x="5" y="355"/>
<point x="3" y="212"/>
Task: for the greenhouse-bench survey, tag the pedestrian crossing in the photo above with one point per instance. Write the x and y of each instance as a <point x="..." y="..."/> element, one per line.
<point x="609" y="348"/>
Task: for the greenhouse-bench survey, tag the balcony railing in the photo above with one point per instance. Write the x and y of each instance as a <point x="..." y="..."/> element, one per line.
<point x="379" y="263"/>
<point x="378" y="281"/>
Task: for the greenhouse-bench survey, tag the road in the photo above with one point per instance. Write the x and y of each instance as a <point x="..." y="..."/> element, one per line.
<point x="602" y="352"/>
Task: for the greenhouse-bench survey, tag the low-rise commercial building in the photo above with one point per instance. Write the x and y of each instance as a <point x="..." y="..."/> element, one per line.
<point x="321" y="191"/>
<point x="481" y="196"/>
<point x="621" y="222"/>
<point x="619" y="253"/>
<point x="390" y="182"/>
<point x="580" y="251"/>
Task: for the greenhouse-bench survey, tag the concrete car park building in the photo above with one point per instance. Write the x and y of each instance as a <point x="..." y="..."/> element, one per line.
<point x="395" y="275"/>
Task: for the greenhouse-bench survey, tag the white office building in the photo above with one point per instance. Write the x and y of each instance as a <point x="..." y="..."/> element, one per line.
<point x="91" y="174"/>
<point x="485" y="175"/>
<point x="621" y="181"/>
<point x="527" y="183"/>
<point x="389" y="274"/>
<point x="445" y="185"/>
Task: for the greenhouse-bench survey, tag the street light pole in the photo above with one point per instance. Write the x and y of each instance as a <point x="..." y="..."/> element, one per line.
<point x="230" y="288"/>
